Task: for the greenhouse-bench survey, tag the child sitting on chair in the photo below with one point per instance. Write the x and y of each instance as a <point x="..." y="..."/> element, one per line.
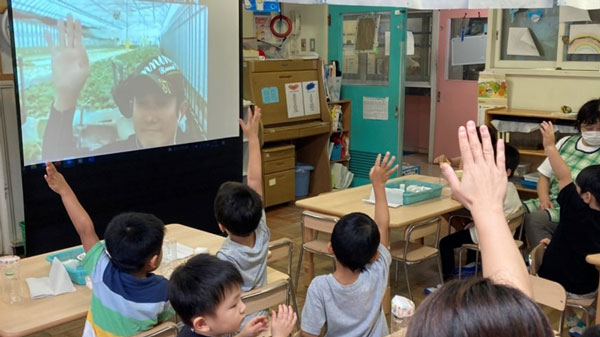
<point x="512" y="203"/>
<point x="127" y="298"/>
<point x="578" y="231"/>
<point x="239" y="212"/>
<point x="349" y="300"/>
<point x="206" y="293"/>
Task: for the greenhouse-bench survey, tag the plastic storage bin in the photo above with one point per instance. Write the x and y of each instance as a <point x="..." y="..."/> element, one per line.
<point x="408" y="198"/>
<point x="302" y="179"/>
<point x="336" y="153"/>
<point x="77" y="275"/>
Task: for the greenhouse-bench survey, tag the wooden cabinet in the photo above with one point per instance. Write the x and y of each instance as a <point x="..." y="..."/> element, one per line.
<point x="533" y="153"/>
<point x="278" y="174"/>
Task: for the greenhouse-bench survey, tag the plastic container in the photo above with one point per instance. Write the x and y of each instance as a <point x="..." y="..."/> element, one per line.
<point x="408" y="198"/>
<point x="336" y="153"/>
<point x="302" y="179"/>
<point x="77" y="274"/>
<point x="12" y="287"/>
<point x="402" y="311"/>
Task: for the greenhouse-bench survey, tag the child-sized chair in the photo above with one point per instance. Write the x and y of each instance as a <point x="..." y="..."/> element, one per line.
<point x="409" y="252"/>
<point x="317" y="223"/>
<point x="284" y="249"/>
<point x="166" y="329"/>
<point x="537" y="256"/>
<point x="551" y="294"/>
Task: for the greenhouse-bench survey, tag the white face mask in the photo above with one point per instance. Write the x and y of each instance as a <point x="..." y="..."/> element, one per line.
<point x="591" y="137"/>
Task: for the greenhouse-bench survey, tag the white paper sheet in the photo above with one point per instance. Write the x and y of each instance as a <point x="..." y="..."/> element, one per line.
<point x="584" y="39"/>
<point x="387" y="43"/>
<point x="520" y="42"/>
<point x="410" y="43"/>
<point x="476" y="4"/>
<point x="471" y="50"/>
<point x="183" y="251"/>
<point x="295" y="103"/>
<point x="581" y="4"/>
<point x="572" y="14"/>
<point x="375" y="108"/>
<point x="310" y="93"/>
<point x="58" y="282"/>
<point x="436" y="4"/>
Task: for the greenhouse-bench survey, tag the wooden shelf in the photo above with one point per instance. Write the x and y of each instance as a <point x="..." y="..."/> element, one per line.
<point x="538" y="153"/>
<point x="553" y="115"/>
<point x="341" y="160"/>
<point x="342" y="101"/>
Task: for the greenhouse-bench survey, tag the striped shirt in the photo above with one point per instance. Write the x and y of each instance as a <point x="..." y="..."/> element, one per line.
<point x="122" y="305"/>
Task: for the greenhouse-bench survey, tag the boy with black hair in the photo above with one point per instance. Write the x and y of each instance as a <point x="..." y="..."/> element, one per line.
<point x="349" y="300"/>
<point x="512" y="203"/>
<point x="239" y="212"/>
<point x="206" y="294"/>
<point x="578" y="232"/>
<point x="127" y="298"/>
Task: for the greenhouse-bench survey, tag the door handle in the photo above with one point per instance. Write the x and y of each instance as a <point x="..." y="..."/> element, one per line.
<point x="439" y="96"/>
<point x="396" y="112"/>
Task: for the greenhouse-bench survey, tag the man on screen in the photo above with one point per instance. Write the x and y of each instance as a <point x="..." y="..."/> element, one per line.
<point x="152" y="97"/>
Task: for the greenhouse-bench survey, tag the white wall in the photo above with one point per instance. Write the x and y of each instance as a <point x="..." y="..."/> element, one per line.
<point x="313" y="25"/>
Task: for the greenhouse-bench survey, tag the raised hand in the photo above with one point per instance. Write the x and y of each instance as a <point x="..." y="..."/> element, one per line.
<point x="55" y="179"/>
<point x="283" y="321"/>
<point x="255" y="327"/>
<point x="70" y="63"/>
<point x="548" y="138"/>
<point x="484" y="178"/>
<point x="382" y="170"/>
<point x="251" y="127"/>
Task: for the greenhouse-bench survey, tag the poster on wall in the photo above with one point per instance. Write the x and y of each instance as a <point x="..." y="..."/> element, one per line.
<point x="492" y="89"/>
<point x="584" y="39"/>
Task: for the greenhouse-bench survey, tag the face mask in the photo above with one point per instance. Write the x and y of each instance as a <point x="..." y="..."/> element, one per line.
<point x="591" y="137"/>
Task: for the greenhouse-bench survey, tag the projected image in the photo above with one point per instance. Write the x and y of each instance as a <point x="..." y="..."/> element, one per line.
<point x="98" y="77"/>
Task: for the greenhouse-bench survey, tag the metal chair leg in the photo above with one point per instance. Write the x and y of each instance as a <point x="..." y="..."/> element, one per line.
<point x="477" y="262"/>
<point x="299" y="265"/>
<point x="439" y="263"/>
<point x="292" y="291"/>
<point x="407" y="282"/>
<point x="460" y="253"/>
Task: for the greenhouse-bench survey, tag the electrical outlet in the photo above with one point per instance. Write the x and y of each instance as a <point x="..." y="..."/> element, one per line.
<point x="313" y="44"/>
<point x="303" y="45"/>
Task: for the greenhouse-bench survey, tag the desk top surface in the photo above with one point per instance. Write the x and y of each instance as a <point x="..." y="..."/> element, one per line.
<point x="30" y="316"/>
<point x="350" y="200"/>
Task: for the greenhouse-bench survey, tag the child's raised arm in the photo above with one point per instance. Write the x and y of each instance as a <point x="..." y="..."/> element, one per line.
<point x="81" y="220"/>
<point x="482" y="190"/>
<point x="379" y="174"/>
<point x="560" y="168"/>
<point x="254" y="156"/>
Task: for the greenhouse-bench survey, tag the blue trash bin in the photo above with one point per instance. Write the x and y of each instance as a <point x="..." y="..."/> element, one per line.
<point x="302" y="179"/>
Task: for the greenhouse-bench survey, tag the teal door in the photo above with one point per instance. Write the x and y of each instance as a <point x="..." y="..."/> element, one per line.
<point x="369" y="43"/>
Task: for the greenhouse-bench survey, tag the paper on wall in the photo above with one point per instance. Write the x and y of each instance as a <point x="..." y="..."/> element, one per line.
<point x="375" y="108"/>
<point x="410" y="43"/>
<point x="371" y="64"/>
<point x="584" y="39"/>
<point x="470" y="50"/>
<point x="572" y="14"/>
<point x="581" y="4"/>
<point x="293" y="96"/>
<point x="387" y="43"/>
<point x="310" y="93"/>
<point x="350" y="64"/>
<point x="520" y="42"/>
<point x="436" y="4"/>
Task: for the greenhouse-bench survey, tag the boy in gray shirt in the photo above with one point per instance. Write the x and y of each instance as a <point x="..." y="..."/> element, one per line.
<point x="349" y="300"/>
<point x="239" y="212"/>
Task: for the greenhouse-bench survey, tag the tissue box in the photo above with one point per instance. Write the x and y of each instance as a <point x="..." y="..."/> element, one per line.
<point x="395" y="195"/>
<point x="77" y="274"/>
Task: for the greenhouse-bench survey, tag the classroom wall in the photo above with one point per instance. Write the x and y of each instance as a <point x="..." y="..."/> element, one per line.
<point x="416" y="117"/>
<point x="313" y="25"/>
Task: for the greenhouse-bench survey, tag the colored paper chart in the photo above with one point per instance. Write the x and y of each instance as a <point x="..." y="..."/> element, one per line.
<point x="584" y="39"/>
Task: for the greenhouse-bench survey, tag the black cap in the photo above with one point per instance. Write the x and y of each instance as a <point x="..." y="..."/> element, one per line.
<point x="158" y="75"/>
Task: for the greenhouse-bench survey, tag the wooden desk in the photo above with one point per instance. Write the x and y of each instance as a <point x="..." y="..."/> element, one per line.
<point x="31" y="316"/>
<point x="595" y="260"/>
<point x="350" y="200"/>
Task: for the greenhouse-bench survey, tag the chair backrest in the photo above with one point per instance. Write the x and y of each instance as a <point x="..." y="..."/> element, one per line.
<point x="281" y="249"/>
<point x="549" y="293"/>
<point x="423" y="229"/>
<point x="319" y="222"/>
<point x="266" y="296"/>
<point x="166" y="329"/>
<point x="537" y="255"/>
<point x="516" y="219"/>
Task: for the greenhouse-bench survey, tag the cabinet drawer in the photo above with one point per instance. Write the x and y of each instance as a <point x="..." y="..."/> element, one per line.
<point x="279" y="187"/>
<point x="278" y="165"/>
<point x="278" y="152"/>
